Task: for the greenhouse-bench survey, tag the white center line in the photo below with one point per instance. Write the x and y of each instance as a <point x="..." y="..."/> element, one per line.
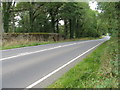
<point x="28" y="53"/>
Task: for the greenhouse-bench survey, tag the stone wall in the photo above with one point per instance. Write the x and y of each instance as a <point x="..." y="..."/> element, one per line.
<point x="33" y="36"/>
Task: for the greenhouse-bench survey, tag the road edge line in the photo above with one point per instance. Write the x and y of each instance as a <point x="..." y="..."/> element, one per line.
<point x="53" y="72"/>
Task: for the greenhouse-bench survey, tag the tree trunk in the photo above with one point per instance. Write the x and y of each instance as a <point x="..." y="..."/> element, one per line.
<point x="66" y="29"/>
<point x="53" y="23"/>
<point x="1" y="21"/>
<point x="31" y="15"/>
<point x="57" y="26"/>
<point x="77" y="29"/>
<point x="71" y="29"/>
<point x="13" y="24"/>
<point x="6" y="15"/>
<point x="6" y="22"/>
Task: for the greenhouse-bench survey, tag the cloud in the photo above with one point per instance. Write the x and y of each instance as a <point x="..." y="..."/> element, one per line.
<point x="93" y="5"/>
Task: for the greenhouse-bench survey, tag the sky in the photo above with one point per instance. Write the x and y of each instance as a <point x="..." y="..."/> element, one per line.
<point x="93" y="5"/>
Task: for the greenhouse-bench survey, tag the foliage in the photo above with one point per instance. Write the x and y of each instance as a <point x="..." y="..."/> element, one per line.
<point x="110" y="17"/>
<point x="79" y="20"/>
<point x="98" y="70"/>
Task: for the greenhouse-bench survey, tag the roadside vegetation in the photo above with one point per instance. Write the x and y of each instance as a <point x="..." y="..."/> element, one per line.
<point x="24" y="43"/>
<point x="71" y="19"/>
<point x="98" y="70"/>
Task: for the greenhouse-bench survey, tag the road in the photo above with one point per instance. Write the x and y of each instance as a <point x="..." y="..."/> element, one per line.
<point x="32" y="67"/>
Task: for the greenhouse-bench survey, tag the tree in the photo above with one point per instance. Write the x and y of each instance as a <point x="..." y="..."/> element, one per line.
<point x="1" y="21"/>
<point x="53" y="12"/>
<point x="6" y="14"/>
<point x="110" y="14"/>
<point x="79" y="19"/>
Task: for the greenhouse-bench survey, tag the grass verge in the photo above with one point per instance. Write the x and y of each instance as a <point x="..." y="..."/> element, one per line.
<point x="24" y="43"/>
<point x="97" y="70"/>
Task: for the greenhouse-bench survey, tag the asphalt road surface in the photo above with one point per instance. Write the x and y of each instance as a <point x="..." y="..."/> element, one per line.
<point x="39" y="66"/>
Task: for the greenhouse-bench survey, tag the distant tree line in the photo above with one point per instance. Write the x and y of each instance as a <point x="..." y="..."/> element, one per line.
<point x="77" y="18"/>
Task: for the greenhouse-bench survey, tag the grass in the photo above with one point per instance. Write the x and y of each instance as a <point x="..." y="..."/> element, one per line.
<point x="97" y="70"/>
<point x="24" y="43"/>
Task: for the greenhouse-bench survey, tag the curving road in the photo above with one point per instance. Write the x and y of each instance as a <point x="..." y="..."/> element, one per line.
<point x="39" y="66"/>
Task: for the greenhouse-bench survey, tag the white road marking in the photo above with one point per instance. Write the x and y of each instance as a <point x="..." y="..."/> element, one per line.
<point x="48" y="75"/>
<point x="31" y="47"/>
<point x="28" y="53"/>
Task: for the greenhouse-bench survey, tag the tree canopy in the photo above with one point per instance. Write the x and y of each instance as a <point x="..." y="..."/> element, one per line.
<point x="78" y="20"/>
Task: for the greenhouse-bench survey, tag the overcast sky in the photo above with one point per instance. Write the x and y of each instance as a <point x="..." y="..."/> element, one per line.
<point x="93" y="5"/>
